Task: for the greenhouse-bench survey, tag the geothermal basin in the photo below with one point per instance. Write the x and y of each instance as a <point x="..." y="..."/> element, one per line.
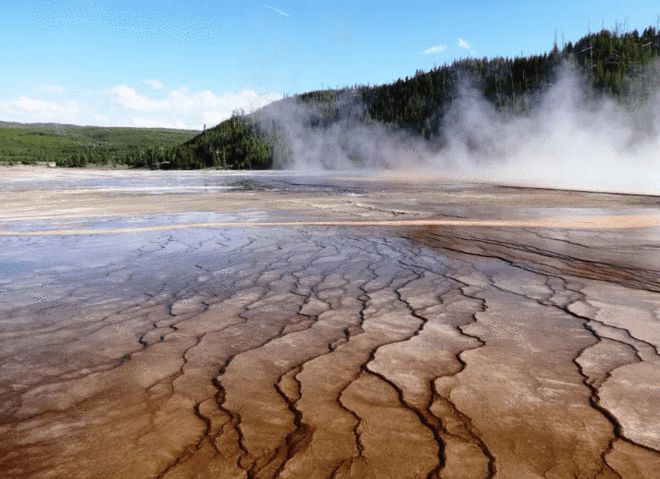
<point x="261" y="325"/>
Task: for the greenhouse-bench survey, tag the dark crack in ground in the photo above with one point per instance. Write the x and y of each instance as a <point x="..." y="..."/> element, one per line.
<point x="332" y="351"/>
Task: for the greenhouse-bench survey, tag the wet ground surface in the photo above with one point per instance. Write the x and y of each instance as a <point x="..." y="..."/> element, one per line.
<point x="266" y="325"/>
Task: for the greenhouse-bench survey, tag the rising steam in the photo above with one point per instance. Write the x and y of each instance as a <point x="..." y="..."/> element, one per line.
<point x="568" y="137"/>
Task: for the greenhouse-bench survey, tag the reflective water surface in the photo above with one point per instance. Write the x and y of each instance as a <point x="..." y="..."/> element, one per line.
<point x="276" y="325"/>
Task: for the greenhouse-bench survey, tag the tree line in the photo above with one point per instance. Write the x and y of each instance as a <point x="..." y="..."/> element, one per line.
<point x="612" y="63"/>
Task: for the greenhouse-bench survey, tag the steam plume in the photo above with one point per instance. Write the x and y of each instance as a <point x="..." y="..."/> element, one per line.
<point x="568" y="137"/>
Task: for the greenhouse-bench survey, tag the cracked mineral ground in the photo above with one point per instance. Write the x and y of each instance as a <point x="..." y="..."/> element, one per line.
<point x="233" y="325"/>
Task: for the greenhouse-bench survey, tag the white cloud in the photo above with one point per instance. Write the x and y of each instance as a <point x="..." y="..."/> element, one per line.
<point x="127" y="97"/>
<point x="51" y="88"/>
<point x="144" y="122"/>
<point x="183" y="108"/>
<point x="465" y="45"/>
<point x="434" y="50"/>
<point x="27" y="109"/>
<point x="124" y="105"/>
<point x="155" y="84"/>
<point x="277" y="10"/>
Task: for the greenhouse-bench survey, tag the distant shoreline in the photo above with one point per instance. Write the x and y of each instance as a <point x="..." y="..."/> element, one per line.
<point x="419" y="177"/>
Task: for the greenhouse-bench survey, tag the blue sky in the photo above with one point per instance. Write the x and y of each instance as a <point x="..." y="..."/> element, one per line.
<point x="186" y="63"/>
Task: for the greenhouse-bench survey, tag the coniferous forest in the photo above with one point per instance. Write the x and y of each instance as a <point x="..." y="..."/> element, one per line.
<point x="612" y="63"/>
<point x="78" y="146"/>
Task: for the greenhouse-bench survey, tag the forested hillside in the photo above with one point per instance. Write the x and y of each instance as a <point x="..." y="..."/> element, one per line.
<point x="612" y="63"/>
<point x="70" y="145"/>
<point x="609" y="62"/>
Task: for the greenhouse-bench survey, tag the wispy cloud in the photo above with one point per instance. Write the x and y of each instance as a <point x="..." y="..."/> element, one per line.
<point x="131" y="105"/>
<point x="27" y="109"/>
<point x="183" y="108"/>
<point x="51" y="88"/>
<point x="465" y="45"/>
<point x="155" y="84"/>
<point x="277" y="10"/>
<point x="127" y="97"/>
<point x="434" y="50"/>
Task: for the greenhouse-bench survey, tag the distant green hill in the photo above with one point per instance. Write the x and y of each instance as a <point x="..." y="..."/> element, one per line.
<point x="612" y="62"/>
<point x="69" y="145"/>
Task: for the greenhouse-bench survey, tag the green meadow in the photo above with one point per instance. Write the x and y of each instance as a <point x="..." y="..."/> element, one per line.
<point x="69" y="145"/>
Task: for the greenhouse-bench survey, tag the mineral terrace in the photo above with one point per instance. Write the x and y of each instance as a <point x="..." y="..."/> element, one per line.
<point x="183" y="325"/>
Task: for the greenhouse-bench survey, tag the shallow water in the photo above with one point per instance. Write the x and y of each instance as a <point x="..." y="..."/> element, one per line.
<point x="342" y="334"/>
